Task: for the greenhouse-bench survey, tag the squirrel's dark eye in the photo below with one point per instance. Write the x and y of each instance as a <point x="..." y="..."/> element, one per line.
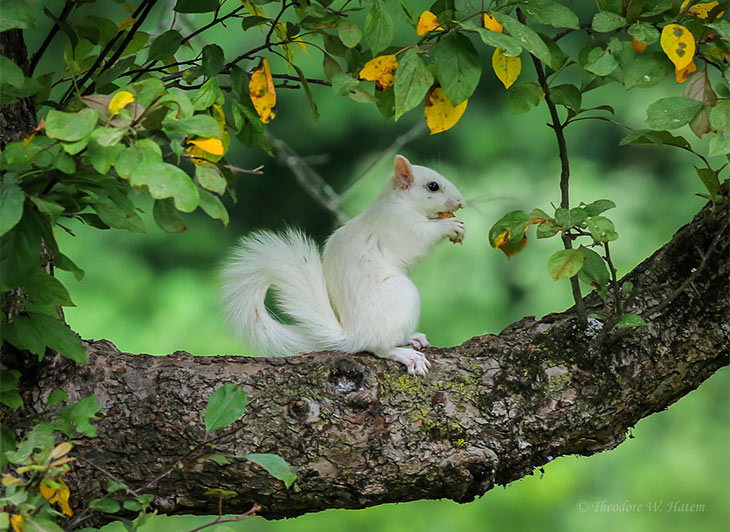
<point x="433" y="186"/>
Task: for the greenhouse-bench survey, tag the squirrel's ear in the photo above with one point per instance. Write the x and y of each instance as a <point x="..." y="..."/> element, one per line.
<point x="403" y="176"/>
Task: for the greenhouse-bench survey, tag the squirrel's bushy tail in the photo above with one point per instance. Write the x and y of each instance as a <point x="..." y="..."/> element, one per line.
<point x="290" y="264"/>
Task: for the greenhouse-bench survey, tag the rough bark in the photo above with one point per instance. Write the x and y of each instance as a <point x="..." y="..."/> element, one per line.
<point x="359" y="432"/>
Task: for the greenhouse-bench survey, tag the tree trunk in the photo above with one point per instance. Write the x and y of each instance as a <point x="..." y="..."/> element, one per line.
<point x="18" y="119"/>
<point x="359" y="432"/>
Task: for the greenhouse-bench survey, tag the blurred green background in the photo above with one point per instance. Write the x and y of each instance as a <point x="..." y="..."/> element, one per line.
<point x="157" y="293"/>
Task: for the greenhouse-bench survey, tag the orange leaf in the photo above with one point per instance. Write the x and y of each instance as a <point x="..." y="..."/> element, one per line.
<point x="119" y="102"/>
<point x="440" y="112"/>
<point x="681" y="75"/>
<point x="427" y="22"/>
<point x="56" y="490"/>
<point x="491" y="23"/>
<point x="679" y="45"/>
<point x="212" y="145"/>
<point x="381" y="70"/>
<point x="263" y="95"/>
<point x="16" y="520"/>
<point x="638" y="45"/>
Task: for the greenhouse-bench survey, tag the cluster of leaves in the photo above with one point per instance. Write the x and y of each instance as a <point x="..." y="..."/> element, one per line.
<point x="586" y="221"/>
<point x="36" y="494"/>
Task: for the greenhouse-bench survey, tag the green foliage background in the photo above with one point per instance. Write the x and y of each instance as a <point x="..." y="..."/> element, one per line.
<point x="158" y="293"/>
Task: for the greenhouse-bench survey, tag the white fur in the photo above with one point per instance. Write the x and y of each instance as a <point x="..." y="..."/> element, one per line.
<point x="358" y="297"/>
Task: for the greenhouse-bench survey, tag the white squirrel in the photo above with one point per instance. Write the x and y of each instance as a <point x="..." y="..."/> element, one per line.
<point x="357" y="296"/>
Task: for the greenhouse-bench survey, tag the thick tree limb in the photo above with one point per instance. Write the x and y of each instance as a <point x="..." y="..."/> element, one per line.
<point x="360" y="432"/>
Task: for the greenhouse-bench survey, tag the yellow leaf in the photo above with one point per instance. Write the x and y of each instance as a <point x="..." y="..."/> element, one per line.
<point x="119" y="102"/>
<point x="638" y="45"/>
<point x="219" y="115"/>
<point x="126" y="23"/>
<point x="263" y="95"/>
<point x="27" y="140"/>
<point x="702" y="10"/>
<point x="381" y="70"/>
<point x="10" y="480"/>
<point x="212" y="145"/>
<point x="491" y="23"/>
<point x="128" y="7"/>
<point x="507" y="68"/>
<point x="427" y="22"/>
<point x="679" y="45"/>
<point x="56" y="490"/>
<point x="681" y="75"/>
<point x="17" y="522"/>
<point x="440" y="112"/>
<point x="60" y="450"/>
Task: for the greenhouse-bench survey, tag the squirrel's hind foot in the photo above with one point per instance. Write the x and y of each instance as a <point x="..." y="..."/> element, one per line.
<point x="415" y="361"/>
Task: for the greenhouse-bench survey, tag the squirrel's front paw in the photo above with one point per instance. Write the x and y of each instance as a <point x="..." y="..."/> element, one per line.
<point x="455" y="230"/>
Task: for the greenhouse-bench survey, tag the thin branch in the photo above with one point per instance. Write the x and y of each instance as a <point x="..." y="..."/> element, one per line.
<point x="557" y="126"/>
<point x="257" y="170"/>
<point x="255" y="508"/>
<point x="618" y="311"/>
<point x="215" y="21"/>
<point x="67" y="7"/>
<point x="310" y="181"/>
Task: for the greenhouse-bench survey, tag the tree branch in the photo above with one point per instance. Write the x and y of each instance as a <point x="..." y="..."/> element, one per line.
<point x="359" y="432"/>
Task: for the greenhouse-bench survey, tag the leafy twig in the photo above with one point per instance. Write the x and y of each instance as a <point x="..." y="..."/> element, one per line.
<point x="558" y="127"/>
<point x="255" y="508"/>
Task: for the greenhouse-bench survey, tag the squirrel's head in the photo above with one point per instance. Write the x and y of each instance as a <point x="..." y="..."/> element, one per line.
<point x="427" y="191"/>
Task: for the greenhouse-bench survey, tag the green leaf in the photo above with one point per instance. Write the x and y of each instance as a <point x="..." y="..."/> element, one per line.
<point x="10" y="73"/>
<point x="9" y="388"/>
<point x="70" y="126"/>
<point x="212" y="206"/>
<point x="207" y="95"/>
<point x="276" y="466"/>
<point x="44" y="288"/>
<point x="114" y="215"/>
<point x="630" y="320"/>
<point x="307" y="91"/>
<point x="80" y="415"/>
<point x="412" y="81"/>
<point x="524" y="96"/>
<point x="565" y="263"/>
<point x="40" y="437"/>
<point x="210" y="178"/>
<point x="644" y="32"/>
<point x="597" y="207"/>
<point x="56" y="397"/>
<point x="11" y="202"/>
<point x="567" y="95"/>
<point x="59" y="336"/>
<point x="201" y="125"/>
<point x="528" y="38"/>
<point x="167" y="216"/>
<point x="37" y="524"/>
<point x="547" y="229"/>
<point x="600" y="62"/>
<point x="568" y="218"/>
<point x="252" y="22"/>
<point x="213" y="59"/>
<point x="602" y="229"/>
<point x="719" y="144"/>
<point x="7" y="444"/>
<point x="710" y="179"/>
<point x="64" y="263"/>
<point x="551" y="14"/>
<point x="108" y="136"/>
<point x="20" y="250"/>
<point x="594" y="271"/>
<point x="167" y="181"/>
<point x="672" y="112"/>
<point x="510" y="45"/>
<point x="145" y="150"/>
<point x="457" y="66"/>
<point x="104" y="504"/>
<point x="720" y="116"/>
<point x="605" y="21"/>
<point x="722" y="27"/>
<point x="112" y="486"/>
<point x="164" y="45"/>
<point x="378" y="28"/>
<point x="646" y="70"/>
<point x="647" y="136"/>
<point x="17" y="14"/>
<point x="349" y="34"/>
<point x="196" y="6"/>
<point x="226" y="405"/>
